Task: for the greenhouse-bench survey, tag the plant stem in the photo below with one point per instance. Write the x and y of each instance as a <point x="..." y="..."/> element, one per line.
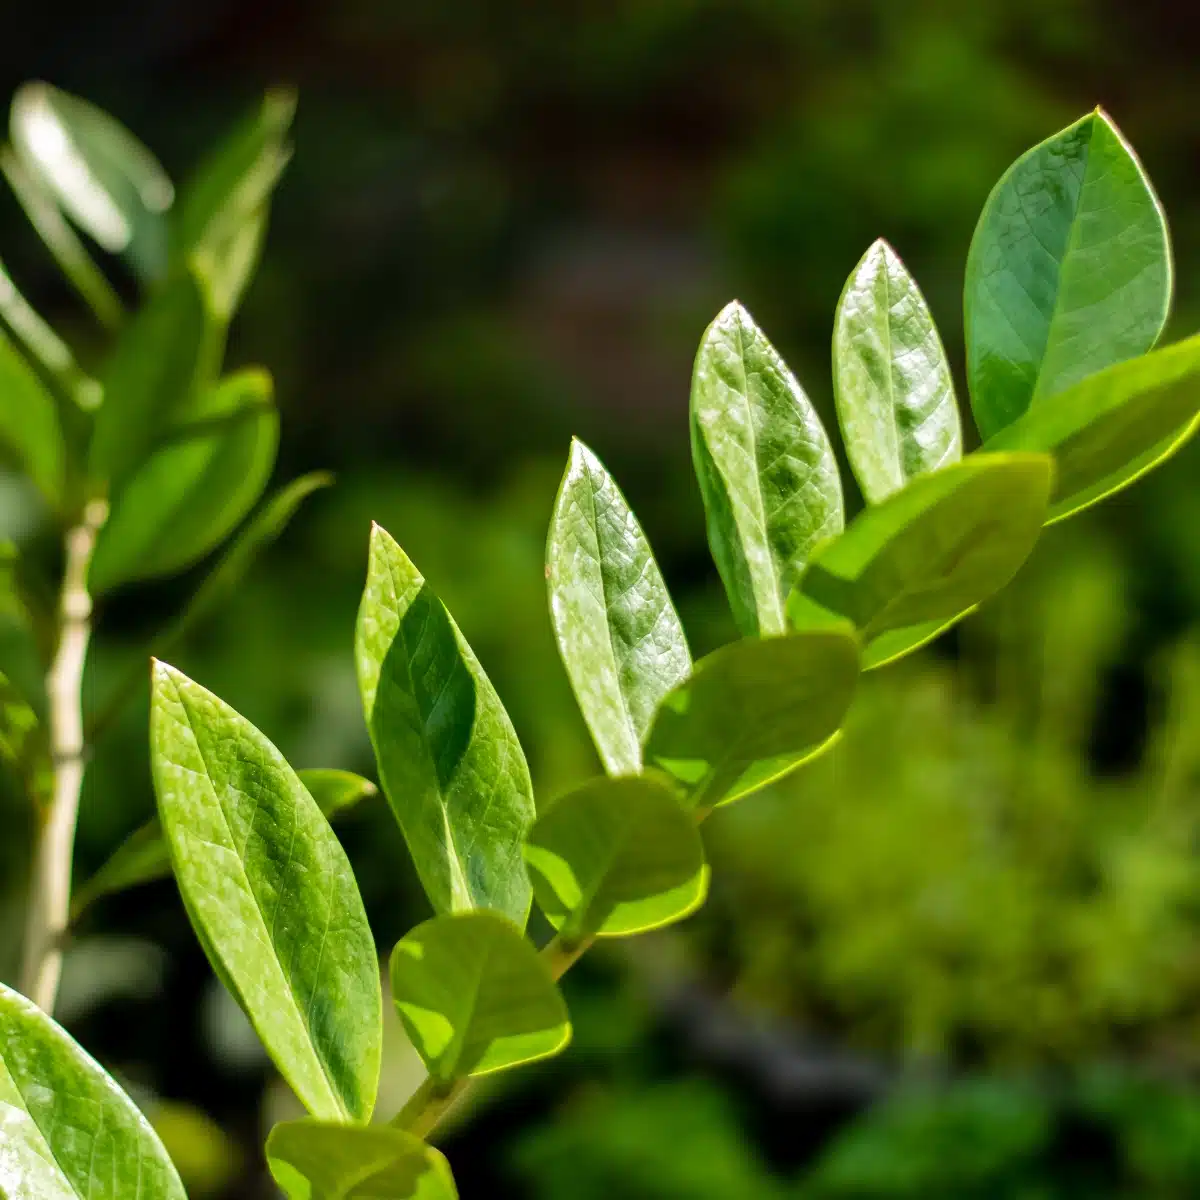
<point x="50" y="887"/>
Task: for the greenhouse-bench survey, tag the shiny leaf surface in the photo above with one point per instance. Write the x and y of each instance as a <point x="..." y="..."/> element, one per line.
<point x="891" y="381"/>
<point x="475" y="996"/>
<point x="315" y="1160"/>
<point x="271" y="894"/>
<point x="753" y="710"/>
<point x="449" y="760"/>
<point x="67" y="1131"/>
<point x="1069" y="271"/>
<point x="765" y="467"/>
<point x="929" y="553"/>
<point x="618" y="633"/>
<point x="1114" y="426"/>
<point x="614" y="857"/>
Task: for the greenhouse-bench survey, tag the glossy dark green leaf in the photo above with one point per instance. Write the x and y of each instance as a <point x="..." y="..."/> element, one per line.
<point x="617" y="630"/>
<point x="752" y="710"/>
<point x="222" y="212"/>
<point x="102" y="176"/>
<point x="194" y="489"/>
<point x="144" y="856"/>
<point x="449" y="760"/>
<point x="160" y="361"/>
<point x="315" y="1160"/>
<point x="930" y="553"/>
<point x="1069" y="271"/>
<point x="29" y="424"/>
<point x="891" y="381"/>
<point x="475" y="996"/>
<point x="67" y="1131"/>
<point x="765" y="466"/>
<point x="1114" y="426"/>
<point x="271" y="894"/>
<point x="62" y="241"/>
<point x="614" y="857"/>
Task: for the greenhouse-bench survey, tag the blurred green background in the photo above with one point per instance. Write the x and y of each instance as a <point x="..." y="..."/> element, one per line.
<point x="957" y="957"/>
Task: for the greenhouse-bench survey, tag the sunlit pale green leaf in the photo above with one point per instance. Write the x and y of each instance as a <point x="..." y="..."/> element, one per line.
<point x="616" y="856"/>
<point x="161" y="359"/>
<point x="206" y="474"/>
<point x="271" y="893"/>
<point x="891" y="380"/>
<point x="475" y="996"/>
<point x="67" y="1131"/>
<point x="144" y="855"/>
<point x="102" y="176"/>
<point x="765" y="466"/>
<point x="29" y="424"/>
<point x="928" y="554"/>
<point x="619" y="635"/>
<point x="1069" y="271"/>
<point x="752" y="710"/>
<point x="222" y="212"/>
<point x="1114" y="426"/>
<point x="313" y="1160"/>
<point x="449" y="760"/>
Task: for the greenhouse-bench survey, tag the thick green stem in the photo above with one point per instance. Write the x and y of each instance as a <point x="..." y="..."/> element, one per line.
<point x="50" y="888"/>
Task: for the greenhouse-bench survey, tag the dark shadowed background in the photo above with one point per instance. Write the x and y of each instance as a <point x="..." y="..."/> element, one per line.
<point x="957" y="957"/>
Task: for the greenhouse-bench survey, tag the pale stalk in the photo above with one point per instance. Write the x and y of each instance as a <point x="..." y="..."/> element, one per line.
<point x="50" y="886"/>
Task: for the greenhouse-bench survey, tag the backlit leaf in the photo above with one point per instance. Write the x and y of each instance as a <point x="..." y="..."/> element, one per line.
<point x="619" y="635"/>
<point x="752" y="711"/>
<point x="315" y="1160"/>
<point x="206" y="474"/>
<point x="616" y="856"/>
<point x="449" y="760"/>
<point x="1069" y="271"/>
<point x="765" y="467"/>
<point x="271" y="894"/>
<point x="928" y="554"/>
<point x="1114" y="426"/>
<point x="67" y="1131"/>
<point x="891" y="380"/>
<point x="475" y="996"/>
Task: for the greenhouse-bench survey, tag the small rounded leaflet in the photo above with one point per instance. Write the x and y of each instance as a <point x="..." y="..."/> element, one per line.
<point x="913" y="565"/>
<point x="319" y="1160"/>
<point x="752" y="711"/>
<point x="66" y="1128"/>
<point x="1113" y="427"/>
<point x="475" y="997"/>
<point x="614" y="857"/>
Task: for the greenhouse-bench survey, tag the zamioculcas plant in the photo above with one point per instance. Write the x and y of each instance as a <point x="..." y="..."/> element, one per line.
<point x="1068" y="285"/>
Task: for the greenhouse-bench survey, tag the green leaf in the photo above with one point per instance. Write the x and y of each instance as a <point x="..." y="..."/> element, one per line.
<point x="617" y="630"/>
<point x="193" y="490"/>
<point x="475" y="996"/>
<point x="222" y="213"/>
<point x="24" y="749"/>
<point x="160" y="360"/>
<point x="271" y="894"/>
<point x="614" y="857"/>
<point x="891" y="381"/>
<point x="1114" y="426"/>
<point x="21" y="660"/>
<point x="29" y="424"/>
<point x="765" y="466"/>
<point x="751" y="711"/>
<point x="449" y="760"/>
<point x="1069" y="271"/>
<point x="68" y="1130"/>
<point x="312" y="1160"/>
<point x="144" y="856"/>
<point x="61" y="240"/>
<point x="928" y="554"/>
<point x="110" y="184"/>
